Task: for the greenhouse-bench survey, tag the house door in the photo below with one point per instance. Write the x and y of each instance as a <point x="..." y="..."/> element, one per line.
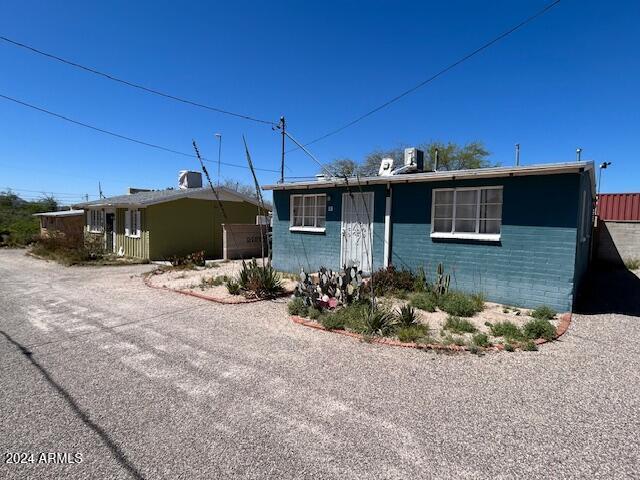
<point x="357" y="230"/>
<point x="108" y="232"/>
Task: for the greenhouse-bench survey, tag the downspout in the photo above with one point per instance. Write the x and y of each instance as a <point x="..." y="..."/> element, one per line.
<point x="387" y="226"/>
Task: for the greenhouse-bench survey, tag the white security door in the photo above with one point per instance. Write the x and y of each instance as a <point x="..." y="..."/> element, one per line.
<point x="357" y="230"/>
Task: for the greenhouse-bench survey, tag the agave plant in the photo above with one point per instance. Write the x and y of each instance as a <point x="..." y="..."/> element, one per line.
<point x="406" y="316"/>
<point x="378" y="321"/>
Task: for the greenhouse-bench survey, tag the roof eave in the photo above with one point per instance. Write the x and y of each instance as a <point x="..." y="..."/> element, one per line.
<point x="497" y="172"/>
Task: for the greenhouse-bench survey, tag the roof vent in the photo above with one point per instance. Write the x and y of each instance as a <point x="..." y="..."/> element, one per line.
<point x="189" y="179"/>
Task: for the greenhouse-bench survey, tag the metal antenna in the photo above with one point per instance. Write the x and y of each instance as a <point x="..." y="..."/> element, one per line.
<point x="517" y="154"/>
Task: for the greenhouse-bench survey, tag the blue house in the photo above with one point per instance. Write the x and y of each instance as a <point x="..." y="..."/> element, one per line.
<point x="520" y="235"/>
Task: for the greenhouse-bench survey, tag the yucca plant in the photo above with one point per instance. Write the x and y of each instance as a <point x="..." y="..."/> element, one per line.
<point x="378" y="321"/>
<point x="406" y="316"/>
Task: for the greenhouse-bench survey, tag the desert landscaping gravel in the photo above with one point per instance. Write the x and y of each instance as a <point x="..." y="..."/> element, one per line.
<point x="148" y="384"/>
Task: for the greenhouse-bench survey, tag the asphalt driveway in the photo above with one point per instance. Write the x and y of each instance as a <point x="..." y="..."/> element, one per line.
<point x="150" y="384"/>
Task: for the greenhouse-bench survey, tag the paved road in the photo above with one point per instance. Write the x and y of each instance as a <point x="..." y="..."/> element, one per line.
<point x="150" y="384"/>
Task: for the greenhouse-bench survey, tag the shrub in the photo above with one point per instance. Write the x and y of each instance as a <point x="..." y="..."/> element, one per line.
<point x="69" y="251"/>
<point x="453" y="340"/>
<point x="297" y="307"/>
<point x="314" y="313"/>
<point x="632" y="263"/>
<point x="461" y="304"/>
<point x="192" y="259"/>
<point x="412" y="333"/>
<point x="420" y="281"/>
<point x="481" y="340"/>
<point x="544" y="313"/>
<point x="406" y="316"/>
<point x="539" y="328"/>
<point x="332" y="322"/>
<point x="424" y="301"/>
<point x="377" y="321"/>
<point x="213" y="281"/>
<point x="233" y="287"/>
<point x="506" y="329"/>
<point x="530" y="346"/>
<point x="389" y="279"/>
<point x="509" y="347"/>
<point x="349" y="317"/>
<point x="261" y="281"/>
<point x="459" y="325"/>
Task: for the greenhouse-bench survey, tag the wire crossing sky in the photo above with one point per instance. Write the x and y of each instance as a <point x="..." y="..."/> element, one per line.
<point x="161" y="75"/>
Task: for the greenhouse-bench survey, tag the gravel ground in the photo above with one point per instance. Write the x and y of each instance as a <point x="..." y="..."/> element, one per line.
<point x="149" y="384"/>
<point x="191" y="280"/>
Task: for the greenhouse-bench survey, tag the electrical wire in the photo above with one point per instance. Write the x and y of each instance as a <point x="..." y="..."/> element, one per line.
<point x="433" y="77"/>
<point x="122" y="137"/>
<point x="132" y="84"/>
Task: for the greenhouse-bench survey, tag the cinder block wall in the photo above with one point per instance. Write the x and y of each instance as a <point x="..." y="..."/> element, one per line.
<point x="534" y="262"/>
<point x="618" y="241"/>
<point x="295" y="250"/>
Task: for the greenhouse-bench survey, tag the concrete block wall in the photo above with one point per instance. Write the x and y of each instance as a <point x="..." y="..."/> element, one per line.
<point x="295" y="250"/>
<point x="618" y="241"/>
<point x="534" y="262"/>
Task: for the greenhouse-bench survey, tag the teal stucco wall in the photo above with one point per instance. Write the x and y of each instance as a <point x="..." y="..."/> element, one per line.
<point x="539" y="259"/>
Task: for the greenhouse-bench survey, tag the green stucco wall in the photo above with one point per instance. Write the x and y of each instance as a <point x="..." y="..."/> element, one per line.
<point x="188" y="225"/>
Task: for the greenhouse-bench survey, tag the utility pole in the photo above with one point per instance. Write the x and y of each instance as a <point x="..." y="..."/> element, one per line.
<point x="219" y="136"/>
<point x="282" y="128"/>
<point x="100" y="191"/>
<point x="86" y="197"/>
<point x="517" y="154"/>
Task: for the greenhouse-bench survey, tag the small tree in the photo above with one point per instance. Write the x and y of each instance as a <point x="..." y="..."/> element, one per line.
<point x="451" y="156"/>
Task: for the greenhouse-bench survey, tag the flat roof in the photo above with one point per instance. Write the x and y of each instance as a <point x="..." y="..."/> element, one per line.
<point x="60" y="213"/>
<point x="492" y="172"/>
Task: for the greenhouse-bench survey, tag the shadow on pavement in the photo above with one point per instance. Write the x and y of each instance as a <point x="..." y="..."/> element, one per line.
<point x="118" y="454"/>
<point x="609" y="290"/>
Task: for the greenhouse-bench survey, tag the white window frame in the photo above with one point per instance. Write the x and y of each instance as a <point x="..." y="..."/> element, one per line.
<point x="302" y="228"/>
<point x="488" y="237"/>
<point x="95" y="220"/>
<point x="129" y="215"/>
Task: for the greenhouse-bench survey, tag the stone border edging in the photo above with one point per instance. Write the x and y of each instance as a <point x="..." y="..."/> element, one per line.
<point x="561" y="329"/>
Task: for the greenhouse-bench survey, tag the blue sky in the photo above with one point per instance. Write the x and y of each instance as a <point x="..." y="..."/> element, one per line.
<point x="569" y="79"/>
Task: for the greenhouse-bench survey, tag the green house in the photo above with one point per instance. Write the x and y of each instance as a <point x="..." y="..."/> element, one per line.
<point x="158" y="224"/>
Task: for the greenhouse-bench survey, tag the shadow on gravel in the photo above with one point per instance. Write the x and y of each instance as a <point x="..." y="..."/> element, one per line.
<point x="118" y="454"/>
<point x="609" y="290"/>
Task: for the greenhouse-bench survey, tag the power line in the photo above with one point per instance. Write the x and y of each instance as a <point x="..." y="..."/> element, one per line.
<point x="67" y="194"/>
<point x="132" y="84"/>
<point x="461" y="60"/>
<point x="122" y="137"/>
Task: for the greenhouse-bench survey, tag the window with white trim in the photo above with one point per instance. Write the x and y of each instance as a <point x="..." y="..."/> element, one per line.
<point x="308" y="212"/>
<point x="96" y="220"/>
<point x="467" y="212"/>
<point x="132" y="223"/>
